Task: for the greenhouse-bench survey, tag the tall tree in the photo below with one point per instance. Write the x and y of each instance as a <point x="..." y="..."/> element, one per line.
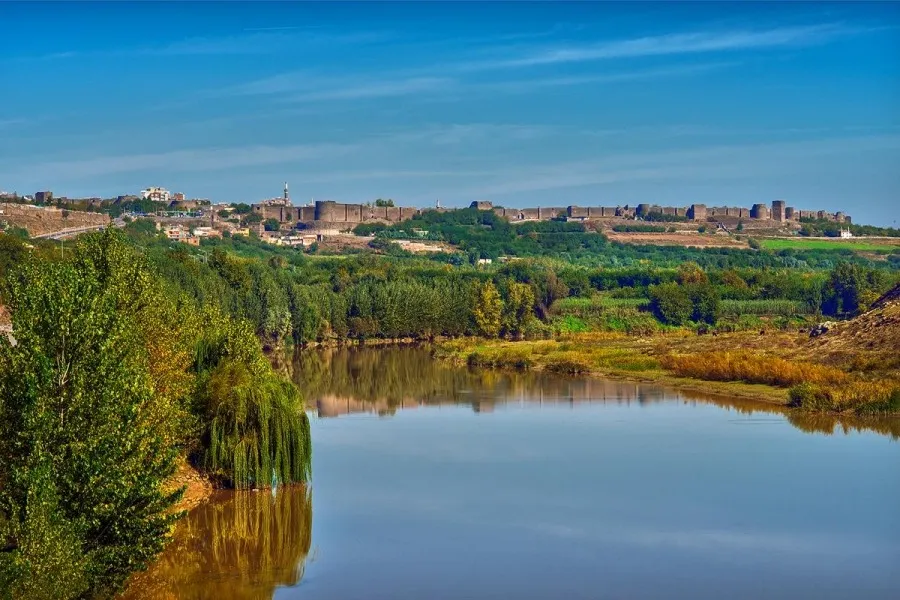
<point x="84" y="452"/>
<point x="488" y="309"/>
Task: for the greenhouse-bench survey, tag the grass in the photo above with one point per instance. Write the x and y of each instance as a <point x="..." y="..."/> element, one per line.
<point x="603" y="313"/>
<point x="865" y="398"/>
<point x="820" y="244"/>
<point x="752" y="368"/>
<point x="742" y="365"/>
<point x="786" y="308"/>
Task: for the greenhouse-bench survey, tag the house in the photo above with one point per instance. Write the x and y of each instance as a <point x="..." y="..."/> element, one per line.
<point x="176" y="232"/>
<point x="156" y="194"/>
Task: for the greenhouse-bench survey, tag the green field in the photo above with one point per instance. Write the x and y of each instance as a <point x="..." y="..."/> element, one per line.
<point x="820" y="244"/>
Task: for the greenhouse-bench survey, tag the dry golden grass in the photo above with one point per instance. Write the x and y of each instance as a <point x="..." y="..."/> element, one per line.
<point x="751" y="368"/>
<point x="749" y="364"/>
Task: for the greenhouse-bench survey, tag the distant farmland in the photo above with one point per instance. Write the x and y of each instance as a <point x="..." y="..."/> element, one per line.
<point x="857" y="245"/>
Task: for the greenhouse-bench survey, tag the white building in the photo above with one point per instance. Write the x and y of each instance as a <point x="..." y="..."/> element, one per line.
<point x="156" y="194"/>
<point x="845" y="233"/>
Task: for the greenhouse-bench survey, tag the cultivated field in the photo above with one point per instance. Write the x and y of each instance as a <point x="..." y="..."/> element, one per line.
<point x="856" y="244"/>
<point x="692" y="239"/>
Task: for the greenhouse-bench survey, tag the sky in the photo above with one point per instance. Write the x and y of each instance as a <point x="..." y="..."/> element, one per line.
<point x="520" y="104"/>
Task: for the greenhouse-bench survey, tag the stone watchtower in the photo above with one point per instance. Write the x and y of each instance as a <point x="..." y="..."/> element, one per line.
<point x="697" y="212"/>
<point x="759" y="211"/>
<point x="778" y="211"/>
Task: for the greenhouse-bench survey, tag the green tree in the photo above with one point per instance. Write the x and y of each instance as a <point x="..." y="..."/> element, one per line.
<point x="380" y="202"/>
<point x="690" y="273"/>
<point x="671" y="303"/>
<point x="844" y="290"/>
<point x="518" y="310"/>
<point x="705" y="300"/>
<point x="488" y="309"/>
<point x="84" y="455"/>
<point x="271" y="224"/>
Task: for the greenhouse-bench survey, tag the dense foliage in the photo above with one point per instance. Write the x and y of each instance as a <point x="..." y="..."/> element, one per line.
<point x="291" y="297"/>
<point x="826" y="228"/>
<point x="112" y="374"/>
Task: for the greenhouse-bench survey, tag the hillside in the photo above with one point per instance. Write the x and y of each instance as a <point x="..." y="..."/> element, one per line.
<point x="876" y="330"/>
<point x="39" y="220"/>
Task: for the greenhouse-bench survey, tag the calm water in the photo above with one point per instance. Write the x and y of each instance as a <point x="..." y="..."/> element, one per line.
<point x="433" y="482"/>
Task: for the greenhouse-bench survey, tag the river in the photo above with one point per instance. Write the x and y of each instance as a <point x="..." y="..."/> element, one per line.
<point x="438" y="482"/>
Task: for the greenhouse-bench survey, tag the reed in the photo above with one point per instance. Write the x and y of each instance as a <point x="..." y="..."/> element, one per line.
<point x="782" y="308"/>
<point x="865" y="398"/>
<point x="751" y="368"/>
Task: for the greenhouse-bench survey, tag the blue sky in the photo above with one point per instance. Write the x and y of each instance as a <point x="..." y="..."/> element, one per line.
<point x="521" y="104"/>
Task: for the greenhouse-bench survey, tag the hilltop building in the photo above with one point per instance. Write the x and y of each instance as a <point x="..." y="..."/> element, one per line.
<point x="156" y="194"/>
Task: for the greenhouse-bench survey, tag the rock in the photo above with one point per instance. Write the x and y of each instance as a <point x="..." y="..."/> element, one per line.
<point x="821" y="328"/>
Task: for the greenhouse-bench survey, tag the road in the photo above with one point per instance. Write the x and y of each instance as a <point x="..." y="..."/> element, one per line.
<point x="65" y="233"/>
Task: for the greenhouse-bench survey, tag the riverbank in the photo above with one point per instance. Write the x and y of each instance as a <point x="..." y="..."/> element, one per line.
<point x="761" y="366"/>
<point x="197" y="490"/>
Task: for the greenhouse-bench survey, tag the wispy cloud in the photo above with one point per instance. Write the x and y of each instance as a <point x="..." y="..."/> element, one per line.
<point x="251" y="41"/>
<point x="527" y="85"/>
<point x="199" y="159"/>
<point x="299" y="87"/>
<point x="5" y="123"/>
<point x="374" y="89"/>
<point x="710" y="162"/>
<point x="671" y="44"/>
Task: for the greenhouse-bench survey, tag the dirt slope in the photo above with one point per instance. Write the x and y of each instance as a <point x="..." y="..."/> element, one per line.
<point x="877" y="329"/>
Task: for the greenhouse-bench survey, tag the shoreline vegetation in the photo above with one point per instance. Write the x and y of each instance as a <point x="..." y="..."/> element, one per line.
<point x="777" y="368"/>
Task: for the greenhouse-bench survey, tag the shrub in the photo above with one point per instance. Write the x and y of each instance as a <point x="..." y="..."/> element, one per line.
<point x="862" y="397"/>
<point x="810" y="397"/>
<point x="570" y="363"/>
<point x="670" y="303"/>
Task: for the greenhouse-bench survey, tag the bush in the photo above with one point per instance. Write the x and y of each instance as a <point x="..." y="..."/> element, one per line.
<point x="570" y="363"/>
<point x="810" y="397"/>
<point x="671" y="303"/>
<point x="865" y="398"/>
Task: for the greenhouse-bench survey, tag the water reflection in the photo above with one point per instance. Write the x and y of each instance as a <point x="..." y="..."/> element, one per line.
<point x="237" y="546"/>
<point x="339" y="381"/>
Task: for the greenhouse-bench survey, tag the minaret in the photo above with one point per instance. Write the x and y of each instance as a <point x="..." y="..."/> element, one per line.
<point x="287" y="199"/>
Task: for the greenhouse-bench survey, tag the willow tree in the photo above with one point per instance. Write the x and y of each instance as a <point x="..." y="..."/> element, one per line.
<point x="256" y="429"/>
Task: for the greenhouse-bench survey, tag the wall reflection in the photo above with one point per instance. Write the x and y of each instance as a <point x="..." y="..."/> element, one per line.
<point x="237" y="546"/>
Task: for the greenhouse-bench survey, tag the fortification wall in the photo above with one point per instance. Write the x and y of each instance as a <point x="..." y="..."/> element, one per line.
<point x="759" y="211"/>
<point x="335" y="212"/>
<point x="38" y="220"/>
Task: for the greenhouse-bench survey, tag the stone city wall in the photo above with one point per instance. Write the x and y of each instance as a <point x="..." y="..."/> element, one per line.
<point x="40" y="220"/>
<point x="328" y="211"/>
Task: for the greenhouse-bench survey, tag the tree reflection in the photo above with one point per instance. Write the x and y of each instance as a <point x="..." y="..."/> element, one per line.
<point x="237" y="546"/>
<point x="337" y="381"/>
